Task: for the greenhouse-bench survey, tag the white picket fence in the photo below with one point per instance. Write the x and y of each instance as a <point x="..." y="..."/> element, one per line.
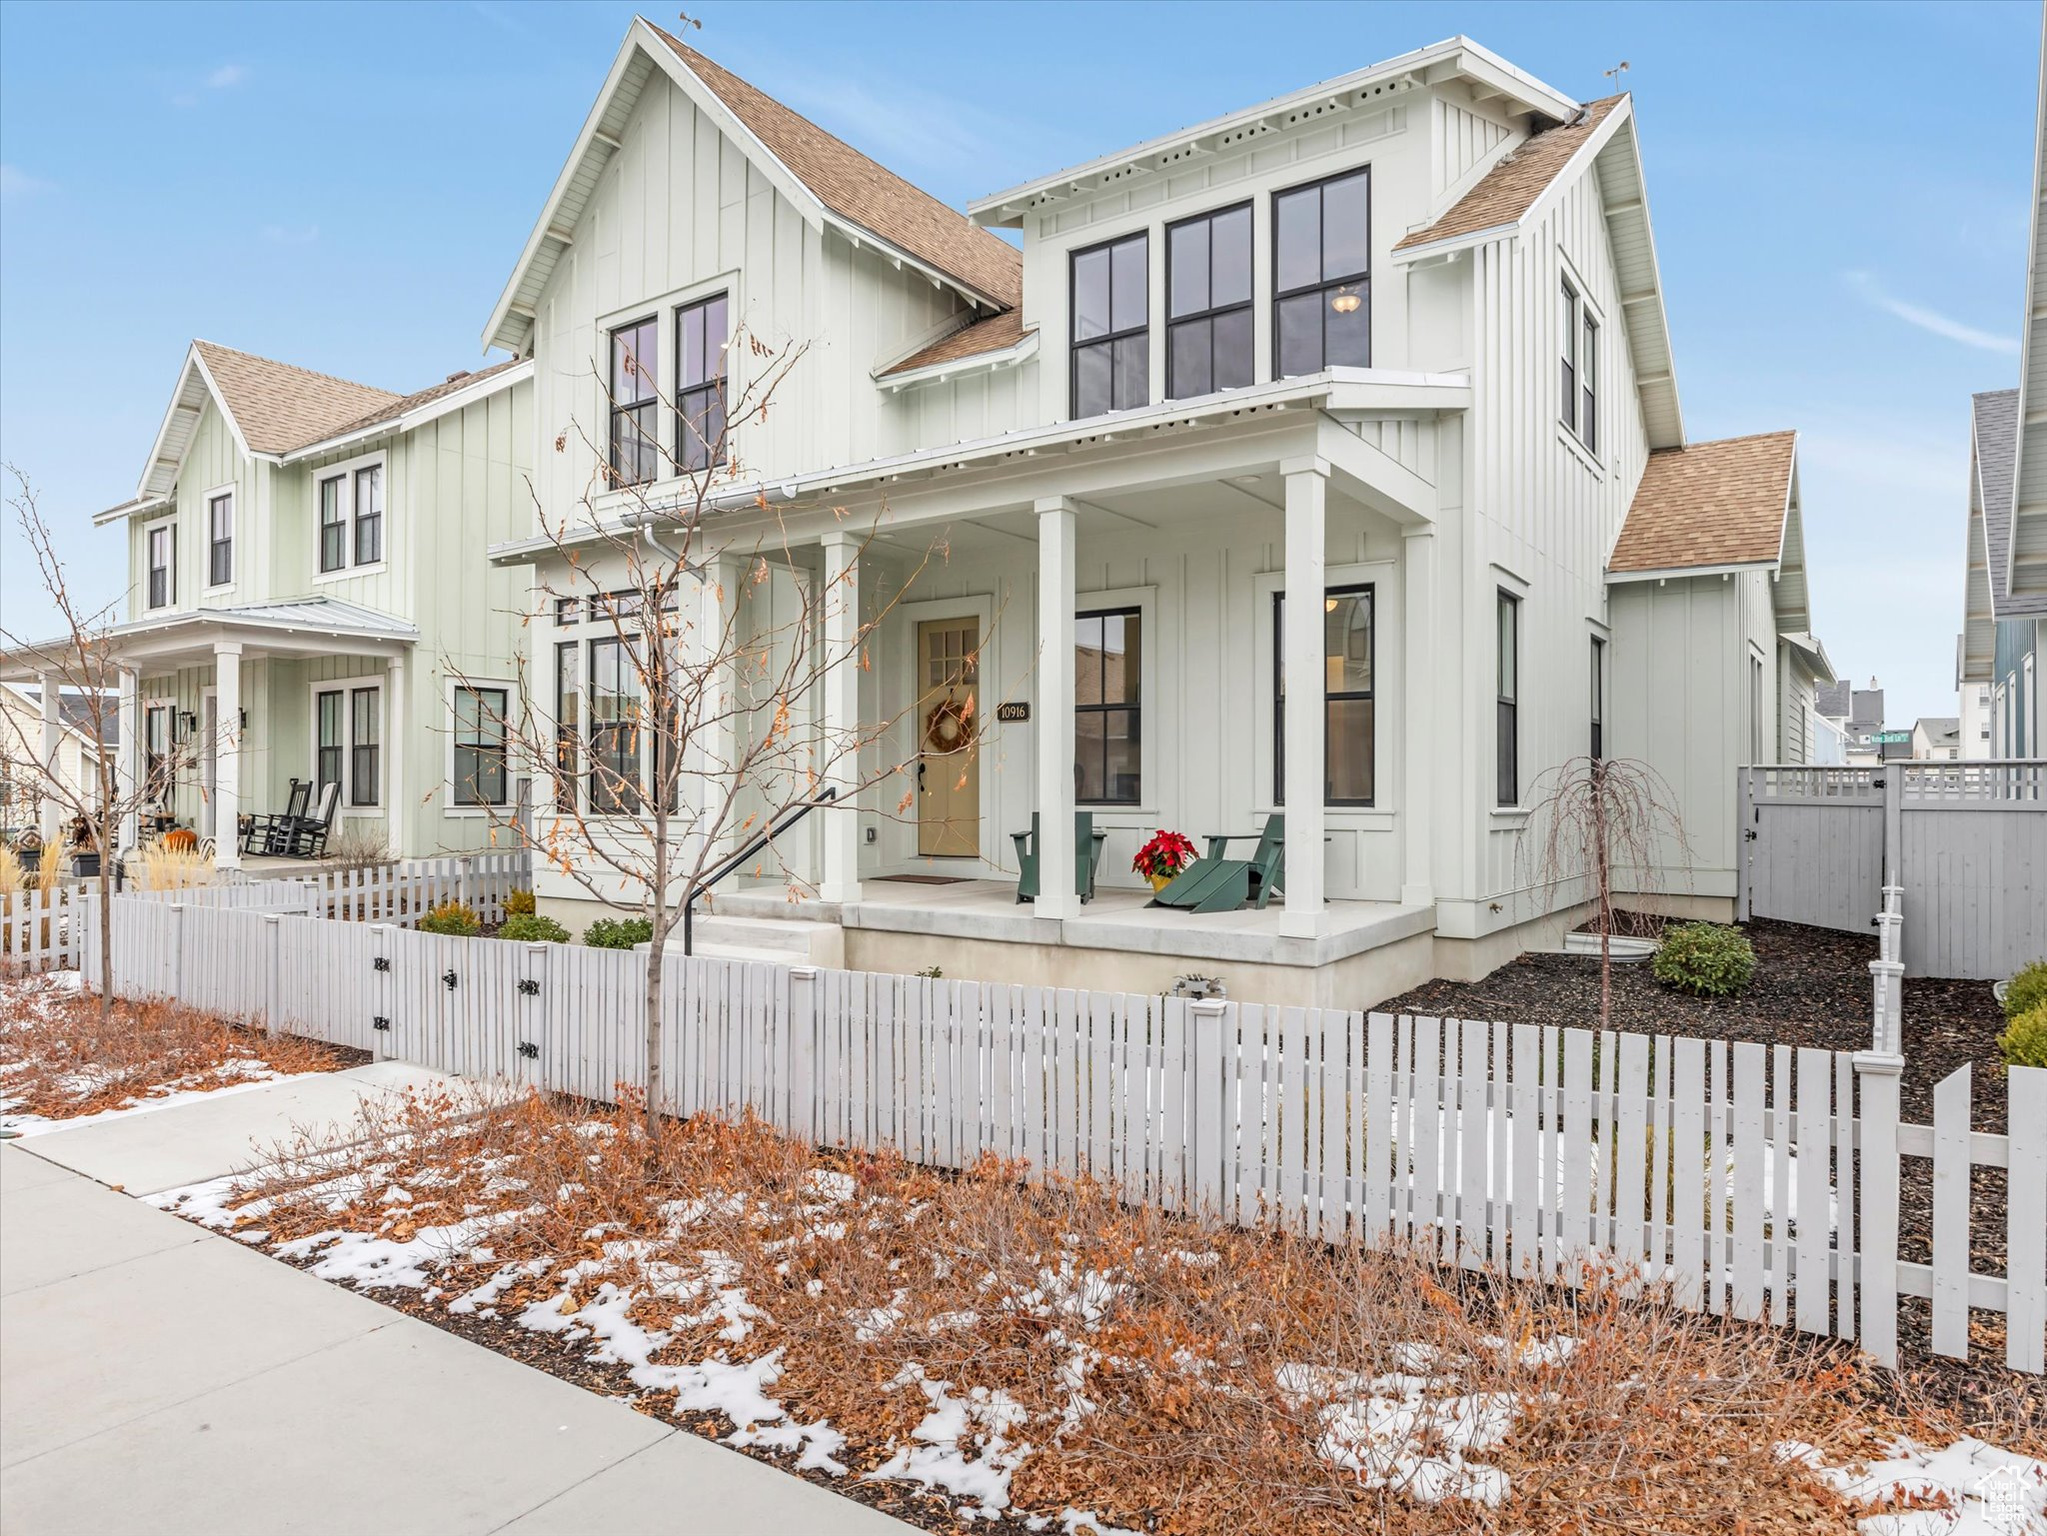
<point x="1748" y="1177"/>
<point x="35" y="930"/>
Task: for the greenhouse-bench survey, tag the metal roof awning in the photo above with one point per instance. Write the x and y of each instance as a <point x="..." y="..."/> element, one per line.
<point x="316" y="626"/>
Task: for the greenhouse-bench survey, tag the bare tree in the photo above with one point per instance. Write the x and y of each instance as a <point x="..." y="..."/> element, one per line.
<point x="80" y="660"/>
<point x="691" y="727"/>
<point x="1613" y="823"/>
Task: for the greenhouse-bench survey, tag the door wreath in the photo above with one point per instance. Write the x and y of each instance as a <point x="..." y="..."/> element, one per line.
<point x="946" y="728"/>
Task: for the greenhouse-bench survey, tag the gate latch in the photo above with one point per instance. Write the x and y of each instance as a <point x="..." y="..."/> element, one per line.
<point x="380" y="1022"/>
<point x="529" y="1050"/>
<point x="381" y="963"/>
<point x="529" y="988"/>
<point x="448" y="980"/>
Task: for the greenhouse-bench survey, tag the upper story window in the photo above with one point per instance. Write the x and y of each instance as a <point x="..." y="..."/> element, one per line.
<point x="701" y="331"/>
<point x="635" y="398"/>
<point x="1208" y="303"/>
<point x="1321" y="282"/>
<point x="1108" y="721"/>
<point x="220" y="539"/>
<point x="1579" y="402"/>
<point x="161" y="542"/>
<point x="351" y="507"/>
<point x="1111" y="321"/>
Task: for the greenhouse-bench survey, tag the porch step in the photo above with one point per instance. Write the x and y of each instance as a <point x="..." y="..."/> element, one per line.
<point x="791" y="941"/>
<point x="742" y="952"/>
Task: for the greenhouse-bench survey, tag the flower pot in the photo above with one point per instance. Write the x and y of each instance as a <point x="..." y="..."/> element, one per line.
<point x="1160" y="882"/>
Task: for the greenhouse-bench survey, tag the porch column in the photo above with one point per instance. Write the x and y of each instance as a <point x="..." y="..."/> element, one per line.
<point x="397" y="723"/>
<point x="841" y="831"/>
<point x="48" y="810"/>
<point x="227" y="749"/>
<point x="717" y="737"/>
<point x="127" y="753"/>
<point x="1302" y="645"/>
<point x="1056" y="533"/>
<point x="1419" y="749"/>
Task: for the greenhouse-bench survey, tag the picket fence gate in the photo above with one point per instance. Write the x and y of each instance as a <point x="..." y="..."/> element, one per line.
<point x="1749" y="1178"/>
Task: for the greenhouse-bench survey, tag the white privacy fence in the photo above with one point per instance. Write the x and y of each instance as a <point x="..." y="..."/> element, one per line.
<point x="1760" y="1182"/>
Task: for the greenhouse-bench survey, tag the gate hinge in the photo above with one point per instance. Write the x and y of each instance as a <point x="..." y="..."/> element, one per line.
<point x="380" y="1022"/>
<point x="448" y="980"/>
<point x="529" y="988"/>
<point x="1750" y="834"/>
<point x="529" y="1050"/>
<point x="381" y="963"/>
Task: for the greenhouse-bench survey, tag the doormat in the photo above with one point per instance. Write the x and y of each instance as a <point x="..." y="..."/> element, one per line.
<point x="925" y="879"/>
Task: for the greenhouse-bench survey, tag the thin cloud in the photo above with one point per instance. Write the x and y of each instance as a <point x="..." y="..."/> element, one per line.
<point x="1873" y="294"/>
<point x="17" y="183"/>
<point x="283" y="234"/>
<point x="225" y="76"/>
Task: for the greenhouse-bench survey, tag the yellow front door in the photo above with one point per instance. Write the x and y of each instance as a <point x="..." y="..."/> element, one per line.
<point x="948" y="723"/>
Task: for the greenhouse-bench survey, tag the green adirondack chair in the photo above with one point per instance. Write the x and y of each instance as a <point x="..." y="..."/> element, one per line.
<point x="1218" y="884"/>
<point x="1087" y="857"/>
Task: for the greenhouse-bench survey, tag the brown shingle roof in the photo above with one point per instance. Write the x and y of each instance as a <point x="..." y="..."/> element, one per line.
<point x="1510" y="188"/>
<point x="862" y="192"/>
<point x="998" y="333"/>
<point x="279" y="407"/>
<point x="412" y="402"/>
<point x="1709" y="504"/>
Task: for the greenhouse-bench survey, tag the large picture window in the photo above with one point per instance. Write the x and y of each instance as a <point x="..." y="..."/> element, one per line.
<point x="614" y="735"/>
<point x="635" y="397"/>
<point x="220" y="540"/>
<point x="479" y="777"/>
<point x="1208" y="303"/>
<point x="1348" y="722"/>
<point x="1108" y="720"/>
<point x="700" y="336"/>
<point x="1506" y="724"/>
<point x="161" y="543"/>
<point x="1111" y="326"/>
<point x="1322" y="284"/>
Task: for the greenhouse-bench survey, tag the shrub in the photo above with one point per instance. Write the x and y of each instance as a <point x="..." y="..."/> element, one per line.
<point x="519" y="904"/>
<point x="2024" y="1041"/>
<point x="618" y="932"/>
<point x="2027" y="990"/>
<point x="526" y="928"/>
<point x="452" y="917"/>
<point x="1704" y="959"/>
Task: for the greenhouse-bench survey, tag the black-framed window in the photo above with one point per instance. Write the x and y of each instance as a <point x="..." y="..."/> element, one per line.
<point x="364" y="738"/>
<point x="1567" y="328"/>
<point x="369" y="514"/>
<point x="1598" y="698"/>
<point x="162" y="545"/>
<point x="220" y="539"/>
<point x="567" y="610"/>
<point x="635" y="398"/>
<point x="1111" y="290"/>
<point x="701" y="331"/>
<point x="480" y="745"/>
<point x="1506" y="724"/>
<point x="1322" y="275"/>
<point x="1349" y="724"/>
<point x="328" y="745"/>
<point x="568" y="721"/>
<point x="1108" y="707"/>
<point x="614" y="734"/>
<point x="1588" y="380"/>
<point x="333" y="523"/>
<point x="1578" y="395"/>
<point x="1208" y="303"/>
<point x="156" y="752"/>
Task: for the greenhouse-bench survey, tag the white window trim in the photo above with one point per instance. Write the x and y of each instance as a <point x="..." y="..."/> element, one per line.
<point x="348" y="570"/>
<point x="449" y="687"/>
<point x="346" y="686"/>
<point x="234" y="512"/>
<point x="1145" y="601"/>
<point x="169" y="521"/>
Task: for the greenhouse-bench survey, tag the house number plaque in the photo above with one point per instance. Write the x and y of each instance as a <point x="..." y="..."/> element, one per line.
<point x="1012" y="712"/>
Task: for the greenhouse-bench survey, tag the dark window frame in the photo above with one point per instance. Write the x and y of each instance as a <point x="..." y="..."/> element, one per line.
<point x="161" y="579"/>
<point x="568" y="722"/>
<point x="1368" y="591"/>
<point x="1213" y="311"/>
<point x="1598" y="733"/>
<point x="1328" y="285"/>
<point x="325" y="773"/>
<point x="642" y="410"/>
<point x="333" y="531"/>
<point x="1507" y="713"/>
<point x="220" y="547"/>
<point x="489" y="752"/>
<point x="367" y="528"/>
<point x="1578" y="358"/>
<point x="156" y="752"/>
<point x="365" y="757"/>
<point x="696" y="450"/>
<point x="1567" y="393"/>
<point x="613" y="742"/>
<point x="1075" y="346"/>
<point x="1133" y="687"/>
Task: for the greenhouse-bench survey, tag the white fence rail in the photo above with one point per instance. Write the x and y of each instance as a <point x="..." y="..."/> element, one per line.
<point x="1749" y="1177"/>
<point x="36" y="930"/>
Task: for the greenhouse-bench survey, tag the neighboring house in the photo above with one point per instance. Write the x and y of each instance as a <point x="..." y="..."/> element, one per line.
<point x="1937" y="738"/>
<point x="1396" y="341"/>
<point x="72" y="739"/>
<point x="306" y="587"/>
<point x="1974" y="699"/>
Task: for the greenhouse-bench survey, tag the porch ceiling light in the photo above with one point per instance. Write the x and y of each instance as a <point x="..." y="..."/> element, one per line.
<point x="1345" y="300"/>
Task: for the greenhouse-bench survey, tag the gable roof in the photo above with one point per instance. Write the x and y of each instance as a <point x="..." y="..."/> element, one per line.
<point x="1511" y="187"/>
<point x="998" y="333"/>
<point x="830" y="183"/>
<point x="277" y="406"/>
<point x="1710" y="505"/>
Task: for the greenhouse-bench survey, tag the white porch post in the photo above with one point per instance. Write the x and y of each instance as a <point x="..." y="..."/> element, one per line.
<point x="1056" y="873"/>
<point x="126" y="754"/>
<point x="397" y="722"/>
<point x="841" y="832"/>
<point x="717" y="737"/>
<point x="227" y="750"/>
<point x="47" y="806"/>
<point x="1307" y="485"/>
<point x="1419" y="749"/>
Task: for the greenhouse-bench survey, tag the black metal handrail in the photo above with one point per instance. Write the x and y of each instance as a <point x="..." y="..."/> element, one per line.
<point x="726" y="866"/>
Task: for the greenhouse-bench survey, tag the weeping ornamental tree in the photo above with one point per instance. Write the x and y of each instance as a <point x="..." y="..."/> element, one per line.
<point x="1612" y="824"/>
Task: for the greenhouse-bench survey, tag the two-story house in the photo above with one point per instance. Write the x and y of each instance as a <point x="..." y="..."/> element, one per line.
<point x="1369" y="383"/>
<point x="308" y="600"/>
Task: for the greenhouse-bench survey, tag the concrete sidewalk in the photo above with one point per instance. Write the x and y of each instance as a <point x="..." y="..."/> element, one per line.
<point x="156" y="1376"/>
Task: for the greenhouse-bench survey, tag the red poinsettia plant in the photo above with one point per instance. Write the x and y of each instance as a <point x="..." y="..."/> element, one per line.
<point x="1164" y="856"/>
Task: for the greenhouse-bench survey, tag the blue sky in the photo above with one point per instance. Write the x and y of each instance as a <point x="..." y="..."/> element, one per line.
<point x="1840" y="199"/>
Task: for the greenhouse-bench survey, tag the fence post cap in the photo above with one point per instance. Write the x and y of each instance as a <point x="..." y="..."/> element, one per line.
<point x="1879" y="1063"/>
<point x="1209" y="1005"/>
<point x="803" y="973"/>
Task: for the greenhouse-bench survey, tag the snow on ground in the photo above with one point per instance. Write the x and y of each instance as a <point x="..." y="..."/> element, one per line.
<point x="1973" y="1489"/>
<point x="237" y="1076"/>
